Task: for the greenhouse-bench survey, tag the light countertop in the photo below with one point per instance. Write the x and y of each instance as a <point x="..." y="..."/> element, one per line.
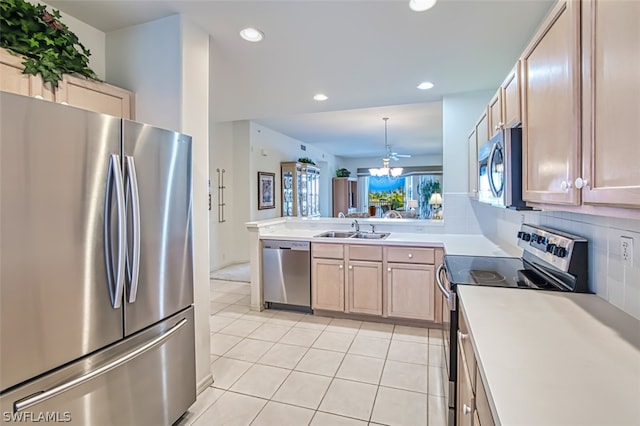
<point x="459" y="244"/>
<point x="550" y="358"/>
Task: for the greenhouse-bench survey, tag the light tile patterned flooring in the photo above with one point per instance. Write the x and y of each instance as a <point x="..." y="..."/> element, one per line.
<point x="277" y="368"/>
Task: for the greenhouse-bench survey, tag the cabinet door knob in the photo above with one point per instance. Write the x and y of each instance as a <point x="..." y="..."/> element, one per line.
<point x="340" y="266"/>
<point x="466" y="409"/>
<point x="350" y="267"/>
<point x="565" y="185"/>
<point x="410" y="255"/>
<point x="581" y="183"/>
<point x="39" y="97"/>
<point x="388" y="269"/>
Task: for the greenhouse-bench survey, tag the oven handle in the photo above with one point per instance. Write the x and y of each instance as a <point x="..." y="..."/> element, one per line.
<point x="445" y="293"/>
<point x="448" y="295"/>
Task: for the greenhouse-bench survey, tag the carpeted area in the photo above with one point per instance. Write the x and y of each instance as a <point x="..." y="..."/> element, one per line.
<point x="237" y="272"/>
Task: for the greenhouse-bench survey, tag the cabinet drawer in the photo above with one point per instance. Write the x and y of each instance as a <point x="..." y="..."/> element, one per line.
<point x="411" y="255"/>
<point x="482" y="403"/>
<point x="365" y="253"/>
<point x="327" y="251"/>
<point x="465" y="346"/>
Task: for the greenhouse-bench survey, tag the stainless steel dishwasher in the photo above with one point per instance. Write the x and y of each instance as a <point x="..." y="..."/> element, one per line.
<point x="286" y="273"/>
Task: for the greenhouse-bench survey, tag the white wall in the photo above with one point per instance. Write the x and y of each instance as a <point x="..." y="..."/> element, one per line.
<point x="165" y="62"/>
<point x="243" y="149"/>
<point x="92" y="38"/>
<point x="460" y="113"/>
<point x="195" y="121"/>
<point x="146" y="59"/>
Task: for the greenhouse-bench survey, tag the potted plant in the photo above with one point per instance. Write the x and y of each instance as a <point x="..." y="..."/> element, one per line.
<point x="48" y="46"/>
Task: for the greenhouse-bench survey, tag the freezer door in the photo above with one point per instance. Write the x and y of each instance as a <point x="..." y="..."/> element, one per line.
<point x="55" y="303"/>
<point x="160" y="264"/>
<point x="148" y="379"/>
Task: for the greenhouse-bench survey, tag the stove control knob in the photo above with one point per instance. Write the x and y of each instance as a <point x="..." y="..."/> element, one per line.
<point x="550" y="248"/>
<point x="560" y="251"/>
<point x="527" y="237"/>
<point x="520" y="235"/>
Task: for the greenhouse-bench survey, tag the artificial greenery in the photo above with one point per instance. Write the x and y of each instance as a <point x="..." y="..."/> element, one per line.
<point x="306" y="160"/>
<point x="48" y="46"/>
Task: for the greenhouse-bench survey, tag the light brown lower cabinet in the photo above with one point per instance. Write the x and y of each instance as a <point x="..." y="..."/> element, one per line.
<point x="410" y="291"/>
<point x="395" y="282"/>
<point x="472" y="404"/>
<point x="364" y="287"/>
<point x="328" y="284"/>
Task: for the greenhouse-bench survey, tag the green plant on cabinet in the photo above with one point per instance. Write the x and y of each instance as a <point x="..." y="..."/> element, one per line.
<point x="49" y="47"/>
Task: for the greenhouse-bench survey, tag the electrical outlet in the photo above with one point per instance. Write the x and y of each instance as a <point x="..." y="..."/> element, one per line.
<point x="626" y="246"/>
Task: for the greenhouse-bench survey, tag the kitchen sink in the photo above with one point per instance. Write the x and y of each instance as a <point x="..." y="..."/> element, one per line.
<point x="336" y="234"/>
<point x="371" y="236"/>
<point x="347" y="234"/>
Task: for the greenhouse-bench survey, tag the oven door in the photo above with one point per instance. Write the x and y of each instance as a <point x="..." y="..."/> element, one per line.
<point x="449" y="332"/>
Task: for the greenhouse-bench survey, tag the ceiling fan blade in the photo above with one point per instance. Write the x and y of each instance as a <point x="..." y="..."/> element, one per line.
<point x="403" y="155"/>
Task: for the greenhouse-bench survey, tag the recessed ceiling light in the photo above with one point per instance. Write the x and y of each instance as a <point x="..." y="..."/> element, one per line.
<point x="251" y="34"/>
<point x="421" y="5"/>
<point x="320" y="97"/>
<point x="425" y="85"/>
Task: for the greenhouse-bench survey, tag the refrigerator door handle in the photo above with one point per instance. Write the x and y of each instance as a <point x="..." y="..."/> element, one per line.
<point x="48" y="394"/>
<point x="116" y="283"/>
<point x="134" y="265"/>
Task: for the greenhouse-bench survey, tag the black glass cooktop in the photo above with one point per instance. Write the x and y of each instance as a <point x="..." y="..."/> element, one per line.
<point x="493" y="271"/>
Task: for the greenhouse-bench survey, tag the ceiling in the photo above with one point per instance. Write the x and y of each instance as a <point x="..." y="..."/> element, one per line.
<point x="366" y="56"/>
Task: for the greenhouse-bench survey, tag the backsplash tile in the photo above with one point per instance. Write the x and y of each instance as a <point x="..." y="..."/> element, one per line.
<point x="608" y="277"/>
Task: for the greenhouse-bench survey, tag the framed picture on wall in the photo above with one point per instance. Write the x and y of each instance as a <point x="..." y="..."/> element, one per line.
<point x="266" y="191"/>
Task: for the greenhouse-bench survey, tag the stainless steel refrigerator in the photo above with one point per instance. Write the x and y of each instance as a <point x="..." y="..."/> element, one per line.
<point x="96" y="275"/>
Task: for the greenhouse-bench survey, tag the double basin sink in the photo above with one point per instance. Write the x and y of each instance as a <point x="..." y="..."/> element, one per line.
<point x="351" y="234"/>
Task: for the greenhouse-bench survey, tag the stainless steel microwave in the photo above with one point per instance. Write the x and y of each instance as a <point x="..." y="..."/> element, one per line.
<point x="500" y="170"/>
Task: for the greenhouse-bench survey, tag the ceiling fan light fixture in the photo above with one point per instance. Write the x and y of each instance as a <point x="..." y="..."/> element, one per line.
<point x="320" y="97"/>
<point x="425" y="85"/>
<point x="385" y="170"/>
<point x="421" y="5"/>
<point x="252" y="34"/>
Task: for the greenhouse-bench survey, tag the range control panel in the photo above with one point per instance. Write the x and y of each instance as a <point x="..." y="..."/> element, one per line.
<point x="552" y="246"/>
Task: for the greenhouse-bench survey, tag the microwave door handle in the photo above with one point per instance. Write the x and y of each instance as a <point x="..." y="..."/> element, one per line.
<point x="490" y="168"/>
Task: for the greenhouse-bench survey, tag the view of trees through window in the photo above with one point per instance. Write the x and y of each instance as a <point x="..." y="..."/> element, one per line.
<point x="408" y="195"/>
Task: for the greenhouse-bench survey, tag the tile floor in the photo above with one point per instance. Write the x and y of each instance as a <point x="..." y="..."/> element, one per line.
<point x="276" y="368"/>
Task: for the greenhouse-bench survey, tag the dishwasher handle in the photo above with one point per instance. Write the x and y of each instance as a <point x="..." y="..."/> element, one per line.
<point x="287" y="245"/>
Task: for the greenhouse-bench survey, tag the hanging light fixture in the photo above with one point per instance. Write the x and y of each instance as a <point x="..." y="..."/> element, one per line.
<point x="385" y="170"/>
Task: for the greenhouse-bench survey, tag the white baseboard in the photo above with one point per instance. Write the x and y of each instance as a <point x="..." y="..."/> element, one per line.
<point x="204" y="384"/>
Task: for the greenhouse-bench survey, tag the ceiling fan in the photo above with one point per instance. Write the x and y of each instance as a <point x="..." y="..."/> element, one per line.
<point x="391" y="155"/>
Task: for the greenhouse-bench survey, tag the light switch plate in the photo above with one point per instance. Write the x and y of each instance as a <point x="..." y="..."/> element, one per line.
<point x="626" y="249"/>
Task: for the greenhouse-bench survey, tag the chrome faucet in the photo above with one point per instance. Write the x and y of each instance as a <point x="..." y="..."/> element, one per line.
<point x="356" y="225"/>
<point x="373" y="228"/>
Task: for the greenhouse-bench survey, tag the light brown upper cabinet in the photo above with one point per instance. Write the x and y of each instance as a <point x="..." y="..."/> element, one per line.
<point x="611" y="103"/>
<point x="482" y="128"/>
<point x="12" y="79"/>
<point x="551" y="108"/>
<point x="95" y="96"/>
<point x="75" y="91"/>
<point x="495" y="113"/>
<point x="511" y="100"/>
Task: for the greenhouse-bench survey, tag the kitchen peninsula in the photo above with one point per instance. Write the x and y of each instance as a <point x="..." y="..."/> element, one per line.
<point x="402" y="233"/>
